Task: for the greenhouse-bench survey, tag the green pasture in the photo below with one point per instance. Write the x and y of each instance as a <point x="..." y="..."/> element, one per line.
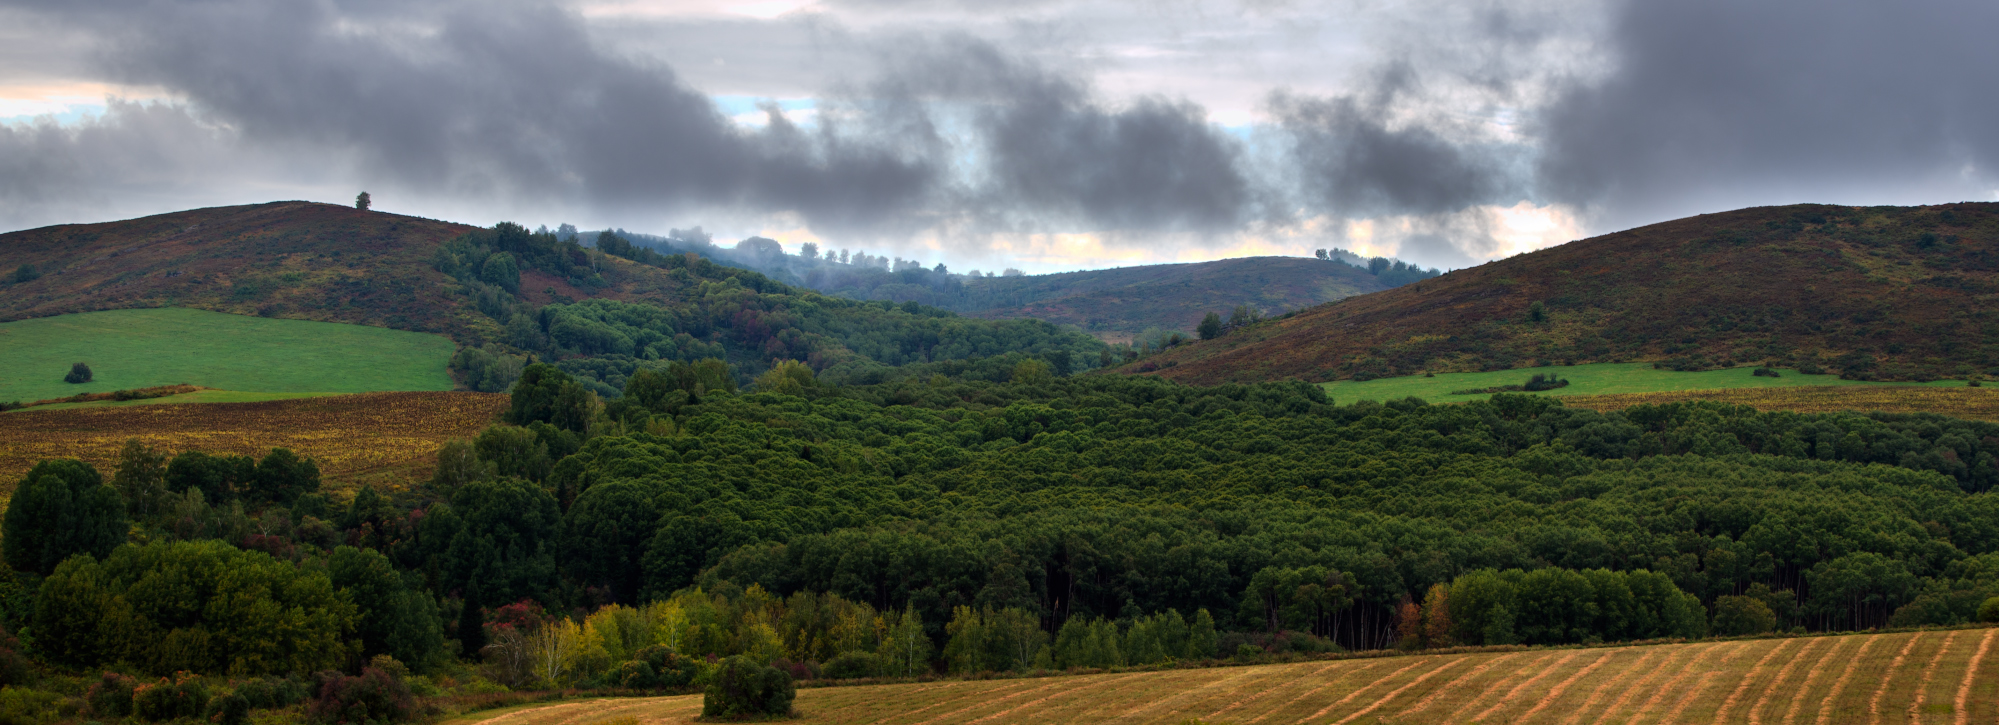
<point x="128" y="349"/>
<point x="1591" y="379"/>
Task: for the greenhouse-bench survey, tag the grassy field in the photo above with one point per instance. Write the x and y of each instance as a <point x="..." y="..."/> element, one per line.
<point x="1591" y="379"/>
<point x="129" y="349"/>
<point x="384" y="439"/>
<point x="1925" y="677"/>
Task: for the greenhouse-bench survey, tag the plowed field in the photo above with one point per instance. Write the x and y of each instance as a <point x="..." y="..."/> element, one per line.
<point x="1927" y="677"/>
<point x="379" y="438"/>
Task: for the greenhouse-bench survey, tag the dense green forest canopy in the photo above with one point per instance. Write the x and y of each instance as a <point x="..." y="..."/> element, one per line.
<point x="1045" y="521"/>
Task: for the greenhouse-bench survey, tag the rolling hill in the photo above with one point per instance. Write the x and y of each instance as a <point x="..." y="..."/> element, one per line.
<point x="1871" y="293"/>
<point x="1116" y="304"/>
<point x="510" y="293"/>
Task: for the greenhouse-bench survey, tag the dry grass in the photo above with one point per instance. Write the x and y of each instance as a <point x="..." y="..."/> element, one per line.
<point x="384" y="439"/>
<point x="1969" y="403"/>
<point x="1834" y="680"/>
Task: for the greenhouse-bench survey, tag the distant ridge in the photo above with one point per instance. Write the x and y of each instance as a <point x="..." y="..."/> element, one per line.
<point x="1887" y="293"/>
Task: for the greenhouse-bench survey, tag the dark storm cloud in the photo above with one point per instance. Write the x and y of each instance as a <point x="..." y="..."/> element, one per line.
<point x="1050" y="149"/>
<point x="480" y="99"/>
<point x="1715" y="104"/>
<point x="1351" y="163"/>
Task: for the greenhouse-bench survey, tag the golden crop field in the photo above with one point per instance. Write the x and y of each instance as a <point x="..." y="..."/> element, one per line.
<point x="1970" y="403"/>
<point x="1940" y="677"/>
<point x="376" y="438"/>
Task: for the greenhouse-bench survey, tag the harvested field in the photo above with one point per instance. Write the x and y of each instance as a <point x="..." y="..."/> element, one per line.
<point x="384" y="439"/>
<point x="1911" y="677"/>
<point x="1956" y="402"/>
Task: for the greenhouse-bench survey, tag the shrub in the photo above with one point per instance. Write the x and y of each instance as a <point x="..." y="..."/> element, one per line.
<point x="230" y="709"/>
<point x="22" y="706"/>
<point x="654" y="667"/>
<point x="185" y="696"/>
<point x="111" y="696"/>
<point x="1989" y="611"/>
<point x="78" y="373"/>
<point x="851" y="665"/>
<point x="374" y="695"/>
<point x="1543" y="382"/>
<point x="26" y="273"/>
<point x="1810" y="369"/>
<point x="744" y="689"/>
<point x="1765" y="372"/>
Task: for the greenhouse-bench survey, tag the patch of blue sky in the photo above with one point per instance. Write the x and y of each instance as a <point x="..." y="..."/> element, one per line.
<point x="70" y="115"/>
<point x="740" y="107"/>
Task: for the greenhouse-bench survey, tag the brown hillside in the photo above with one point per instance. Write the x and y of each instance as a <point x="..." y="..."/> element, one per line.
<point x="1116" y="304"/>
<point x="291" y="259"/>
<point x="1892" y="293"/>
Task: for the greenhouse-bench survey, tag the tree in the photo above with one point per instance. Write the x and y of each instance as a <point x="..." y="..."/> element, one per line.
<point x="745" y="689"/>
<point x="1210" y="327"/>
<point x="458" y="464"/>
<point x="199" y="606"/>
<point x="546" y="393"/>
<point x="60" y="510"/>
<point x="393" y="617"/>
<point x="604" y="537"/>
<point x="1321" y="254"/>
<point x="514" y="451"/>
<point x="283" y="476"/>
<point x="219" y="478"/>
<point x="141" y="478"/>
<point x="787" y="377"/>
<point x="471" y="624"/>
<point x="1537" y="312"/>
<point x="500" y="270"/>
<point x="1737" y="615"/>
<point x="1030" y="371"/>
<point x="1437" y="617"/>
<point x="78" y="373"/>
<point x="809" y="250"/>
<point x="1988" y="611"/>
<point x="26" y="273"/>
<point x="363" y="201"/>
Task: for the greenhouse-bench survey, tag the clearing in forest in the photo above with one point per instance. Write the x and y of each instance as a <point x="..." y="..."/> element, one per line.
<point x="386" y="439"/>
<point x="130" y="349"/>
<point x="1834" y="680"/>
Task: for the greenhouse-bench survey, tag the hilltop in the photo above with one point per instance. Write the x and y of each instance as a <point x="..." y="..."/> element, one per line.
<point x="292" y="259"/>
<point x="1869" y="293"/>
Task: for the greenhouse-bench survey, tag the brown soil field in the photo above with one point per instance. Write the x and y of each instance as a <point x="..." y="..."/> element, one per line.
<point x="381" y="439"/>
<point x="1969" y="403"/>
<point x="1910" y="677"/>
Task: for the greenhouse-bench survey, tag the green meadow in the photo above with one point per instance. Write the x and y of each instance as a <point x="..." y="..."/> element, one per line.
<point x="129" y="349"/>
<point x="1591" y="379"/>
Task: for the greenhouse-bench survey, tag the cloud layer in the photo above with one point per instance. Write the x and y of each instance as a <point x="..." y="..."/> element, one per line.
<point x="936" y="124"/>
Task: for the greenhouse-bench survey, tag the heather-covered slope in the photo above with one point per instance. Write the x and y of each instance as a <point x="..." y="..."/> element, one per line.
<point x="1890" y="293"/>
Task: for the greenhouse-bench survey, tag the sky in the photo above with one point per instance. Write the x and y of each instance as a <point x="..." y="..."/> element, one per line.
<point x="1041" y="135"/>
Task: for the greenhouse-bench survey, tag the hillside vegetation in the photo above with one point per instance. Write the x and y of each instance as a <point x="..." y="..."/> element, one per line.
<point x="1871" y="293"/>
<point x="502" y="294"/>
<point x="1871" y="678"/>
<point x="130" y="349"/>
<point x="1117" y="304"/>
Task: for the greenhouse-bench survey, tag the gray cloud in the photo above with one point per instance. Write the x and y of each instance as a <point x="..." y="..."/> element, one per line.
<point x="1716" y="104"/>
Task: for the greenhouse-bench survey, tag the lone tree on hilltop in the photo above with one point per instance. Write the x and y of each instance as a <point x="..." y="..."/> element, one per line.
<point x="78" y="373"/>
<point x="362" y="202"/>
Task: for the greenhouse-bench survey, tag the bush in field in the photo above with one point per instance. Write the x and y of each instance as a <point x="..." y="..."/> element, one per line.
<point x="1989" y="611"/>
<point x="744" y="689"/>
<point x="184" y="696"/>
<point x="373" y="696"/>
<point x="78" y="373"/>
<point x="111" y="696"/>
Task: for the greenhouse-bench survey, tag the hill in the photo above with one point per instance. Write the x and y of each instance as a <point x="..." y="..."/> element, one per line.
<point x="1911" y="677"/>
<point x="1117" y="304"/>
<point x="1593" y="379"/>
<point x="139" y="348"/>
<point x="503" y="294"/>
<point x="1113" y="304"/>
<point x="1887" y="293"/>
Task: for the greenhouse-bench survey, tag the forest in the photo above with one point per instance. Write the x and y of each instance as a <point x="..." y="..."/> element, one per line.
<point x="700" y="310"/>
<point x="957" y="525"/>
